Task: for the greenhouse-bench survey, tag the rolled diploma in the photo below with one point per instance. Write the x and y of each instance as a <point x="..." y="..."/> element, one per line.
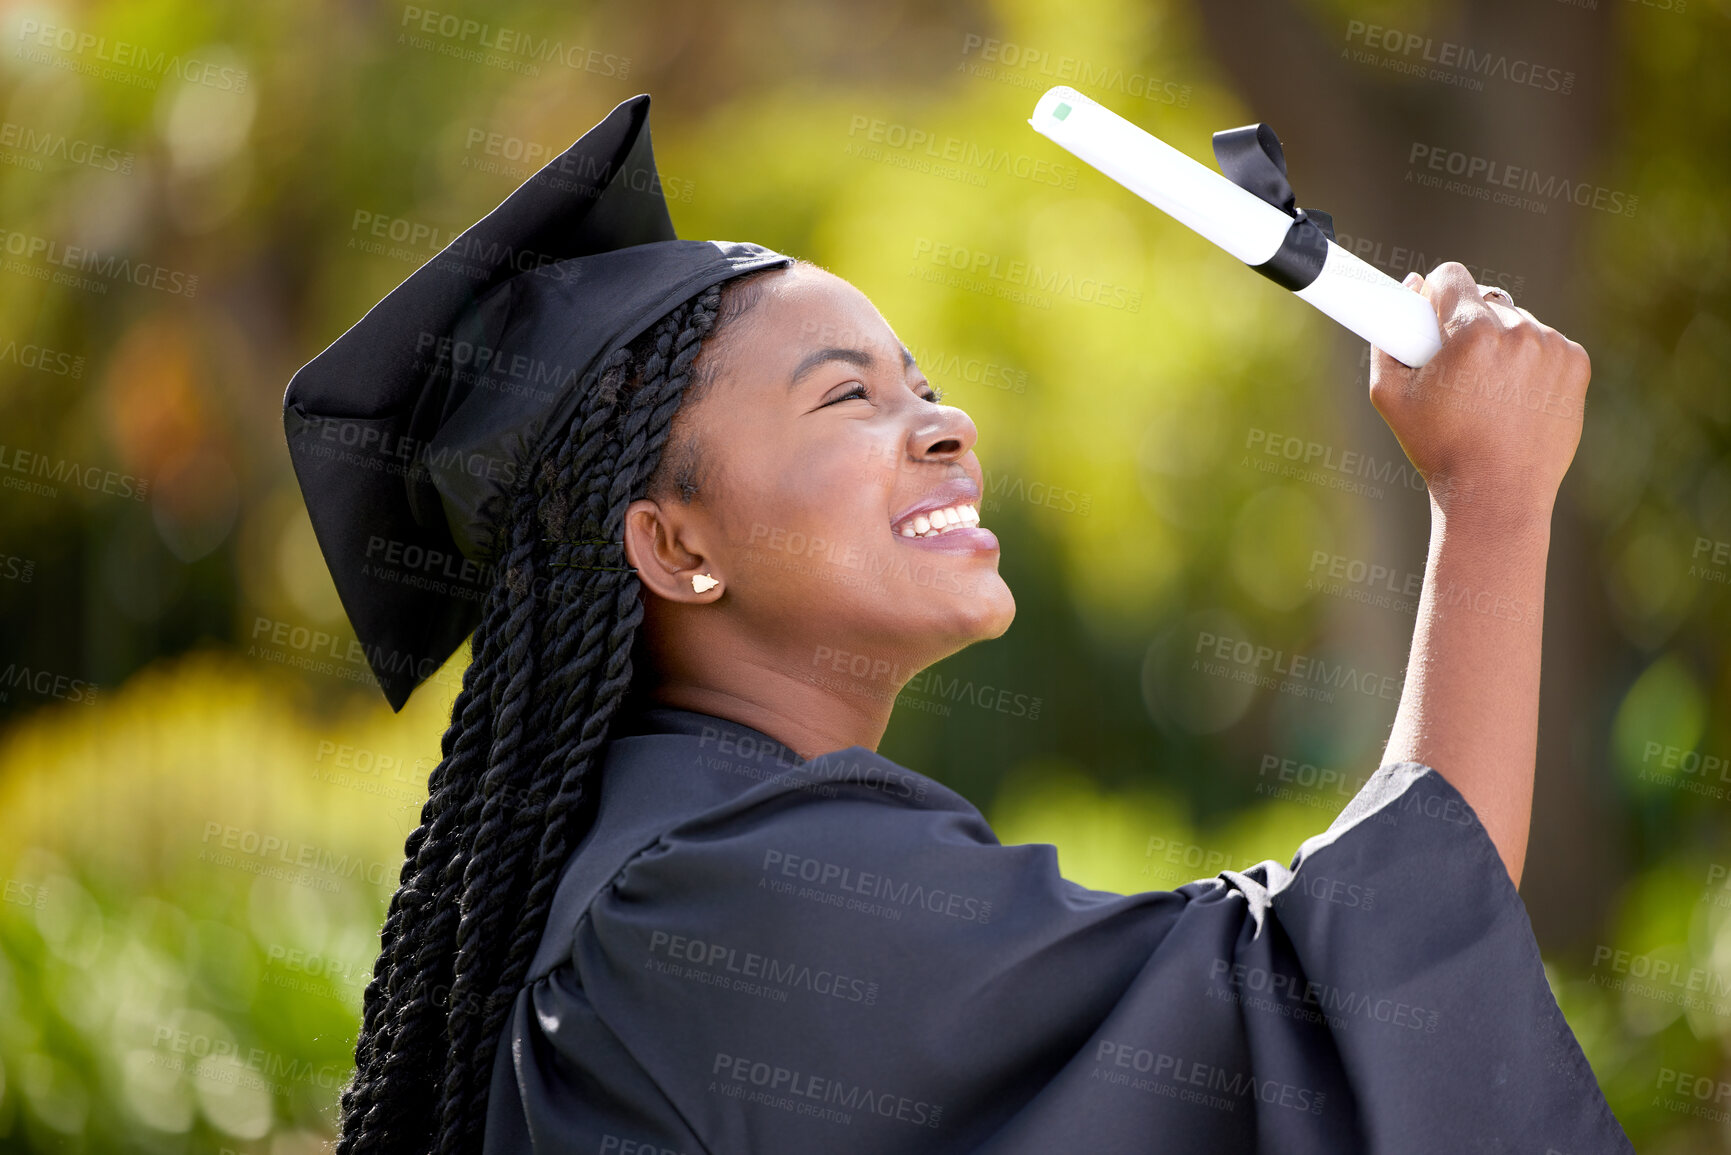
<point x="1358" y="295"/>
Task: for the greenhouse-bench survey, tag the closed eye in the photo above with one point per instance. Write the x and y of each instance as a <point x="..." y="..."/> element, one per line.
<point x="855" y="390"/>
<point x="932" y="394"/>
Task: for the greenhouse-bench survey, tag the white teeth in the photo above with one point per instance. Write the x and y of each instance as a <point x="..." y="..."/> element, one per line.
<point x="934" y="522"/>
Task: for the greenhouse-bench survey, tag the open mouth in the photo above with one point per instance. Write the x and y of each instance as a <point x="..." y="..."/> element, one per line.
<point x="935" y="522"/>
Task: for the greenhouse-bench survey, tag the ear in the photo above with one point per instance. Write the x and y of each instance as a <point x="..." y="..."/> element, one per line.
<point x="662" y="545"/>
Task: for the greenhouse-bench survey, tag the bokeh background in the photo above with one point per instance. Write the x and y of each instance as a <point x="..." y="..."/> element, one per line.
<point x="203" y="796"/>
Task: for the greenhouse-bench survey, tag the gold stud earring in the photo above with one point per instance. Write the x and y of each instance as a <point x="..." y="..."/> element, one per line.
<point x="702" y="581"/>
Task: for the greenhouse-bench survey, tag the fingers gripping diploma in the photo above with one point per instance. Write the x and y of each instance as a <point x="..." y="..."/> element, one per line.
<point x="1492" y="421"/>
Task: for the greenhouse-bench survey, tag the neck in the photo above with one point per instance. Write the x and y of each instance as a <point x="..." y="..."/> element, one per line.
<point x="807" y="719"/>
<point x="806" y="708"/>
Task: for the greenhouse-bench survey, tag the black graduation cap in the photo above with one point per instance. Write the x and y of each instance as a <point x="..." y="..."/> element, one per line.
<point x="405" y="429"/>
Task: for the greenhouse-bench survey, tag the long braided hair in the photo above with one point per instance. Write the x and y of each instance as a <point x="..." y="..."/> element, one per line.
<point x="515" y="789"/>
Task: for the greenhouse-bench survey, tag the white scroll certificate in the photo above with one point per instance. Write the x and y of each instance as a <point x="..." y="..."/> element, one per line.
<point x="1358" y="295"/>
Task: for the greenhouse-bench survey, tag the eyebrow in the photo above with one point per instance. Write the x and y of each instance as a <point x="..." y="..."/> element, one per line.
<point x="858" y="357"/>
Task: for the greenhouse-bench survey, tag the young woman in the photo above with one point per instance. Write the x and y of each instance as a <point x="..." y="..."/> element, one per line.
<point x="667" y="898"/>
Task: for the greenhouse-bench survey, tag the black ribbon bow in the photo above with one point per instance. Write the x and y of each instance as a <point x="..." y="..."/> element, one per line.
<point x="1252" y="159"/>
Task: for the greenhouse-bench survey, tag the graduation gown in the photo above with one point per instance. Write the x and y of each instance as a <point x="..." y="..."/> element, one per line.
<point x="751" y="953"/>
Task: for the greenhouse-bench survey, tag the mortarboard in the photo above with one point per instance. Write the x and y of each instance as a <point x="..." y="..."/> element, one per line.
<point x="406" y="428"/>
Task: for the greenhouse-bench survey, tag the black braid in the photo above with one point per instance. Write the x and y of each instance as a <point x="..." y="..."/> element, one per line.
<point x="615" y="600"/>
<point x="408" y="973"/>
<point x="514" y="791"/>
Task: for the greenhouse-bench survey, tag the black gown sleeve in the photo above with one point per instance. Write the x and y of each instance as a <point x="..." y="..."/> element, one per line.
<point x="862" y="973"/>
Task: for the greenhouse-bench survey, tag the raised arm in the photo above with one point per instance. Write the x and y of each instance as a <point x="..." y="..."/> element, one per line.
<point x="1491" y="423"/>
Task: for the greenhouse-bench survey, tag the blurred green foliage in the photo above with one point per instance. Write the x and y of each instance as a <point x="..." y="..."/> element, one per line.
<point x="197" y="857"/>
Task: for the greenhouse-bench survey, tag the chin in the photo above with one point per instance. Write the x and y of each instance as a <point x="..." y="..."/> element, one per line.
<point x="987" y="614"/>
<point x="941" y="627"/>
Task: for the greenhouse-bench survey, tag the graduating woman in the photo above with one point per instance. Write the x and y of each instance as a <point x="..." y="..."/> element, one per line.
<point x="665" y="897"/>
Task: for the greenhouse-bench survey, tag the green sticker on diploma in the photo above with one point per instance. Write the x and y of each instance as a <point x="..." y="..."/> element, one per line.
<point x="1061" y="112"/>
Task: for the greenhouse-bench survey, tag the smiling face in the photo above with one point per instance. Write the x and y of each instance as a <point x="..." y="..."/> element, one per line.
<point x="837" y="500"/>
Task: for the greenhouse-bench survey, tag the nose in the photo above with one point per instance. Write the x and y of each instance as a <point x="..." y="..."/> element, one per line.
<point x="944" y="433"/>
